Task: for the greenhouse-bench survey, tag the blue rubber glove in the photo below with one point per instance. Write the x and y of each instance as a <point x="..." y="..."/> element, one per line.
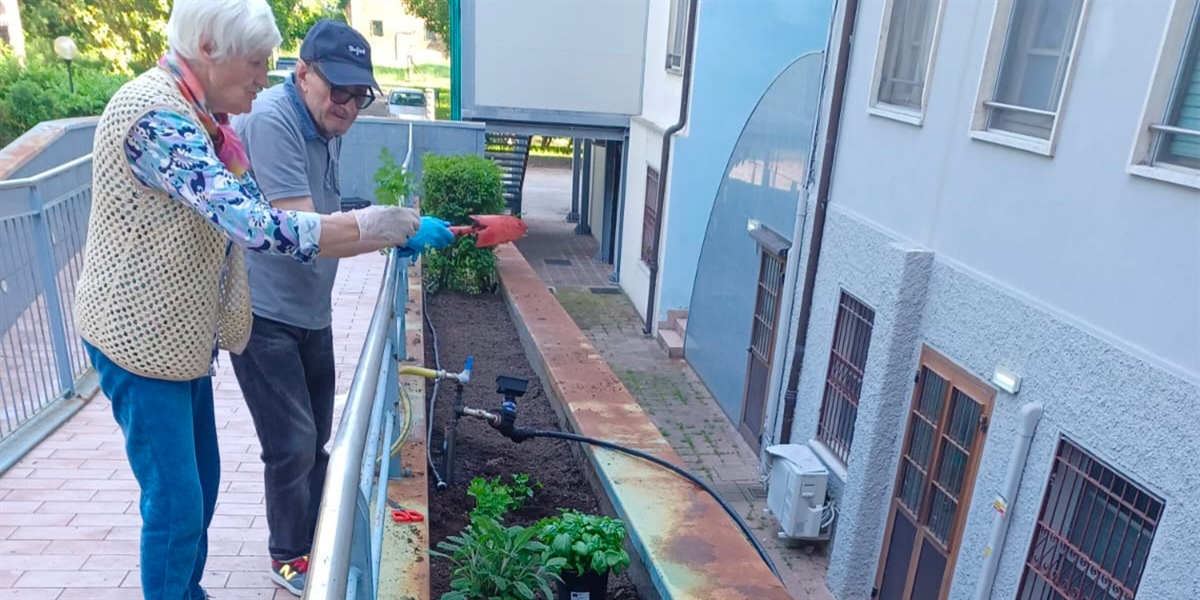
<point x="434" y="234"/>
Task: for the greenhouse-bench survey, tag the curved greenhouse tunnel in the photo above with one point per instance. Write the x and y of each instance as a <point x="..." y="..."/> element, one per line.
<point x="753" y="216"/>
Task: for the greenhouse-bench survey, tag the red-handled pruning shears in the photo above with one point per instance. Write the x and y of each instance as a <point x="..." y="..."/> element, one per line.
<point x="404" y="515"/>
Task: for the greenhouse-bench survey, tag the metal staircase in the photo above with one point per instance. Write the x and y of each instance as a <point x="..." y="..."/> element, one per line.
<point x="511" y="153"/>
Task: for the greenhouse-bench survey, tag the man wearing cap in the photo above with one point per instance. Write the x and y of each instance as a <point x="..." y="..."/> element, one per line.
<point x="293" y="137"/>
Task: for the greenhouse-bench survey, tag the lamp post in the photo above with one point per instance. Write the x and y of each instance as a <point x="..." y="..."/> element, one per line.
<point x="65" y="48"/>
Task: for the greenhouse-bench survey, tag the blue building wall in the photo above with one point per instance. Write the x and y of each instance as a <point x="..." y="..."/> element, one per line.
<point x="741" y="47"/>
<point x="755" y="99"/>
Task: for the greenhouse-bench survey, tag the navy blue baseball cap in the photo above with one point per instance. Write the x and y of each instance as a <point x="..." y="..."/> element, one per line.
<point x="343" y="54"/>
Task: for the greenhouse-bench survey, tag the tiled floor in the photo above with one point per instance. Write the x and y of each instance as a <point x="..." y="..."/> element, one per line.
<point x="677" y="401"/>
<point x="68" y="511"/>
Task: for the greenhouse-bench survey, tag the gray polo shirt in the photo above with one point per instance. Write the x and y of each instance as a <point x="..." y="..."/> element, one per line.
<point x="289" y="159"/>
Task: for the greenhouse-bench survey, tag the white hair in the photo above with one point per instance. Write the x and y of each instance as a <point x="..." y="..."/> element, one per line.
<point x="231" y="28"/>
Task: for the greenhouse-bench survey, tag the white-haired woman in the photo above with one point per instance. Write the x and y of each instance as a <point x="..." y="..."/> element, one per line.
<point x="164" y="283"/>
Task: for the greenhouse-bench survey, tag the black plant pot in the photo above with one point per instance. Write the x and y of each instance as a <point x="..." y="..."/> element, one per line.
<point x="588" y="586"/>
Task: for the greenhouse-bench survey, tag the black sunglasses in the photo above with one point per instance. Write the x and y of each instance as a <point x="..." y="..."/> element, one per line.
<point x="341" y="95"/>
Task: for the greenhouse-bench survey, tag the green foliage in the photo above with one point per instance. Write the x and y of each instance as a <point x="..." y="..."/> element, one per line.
<point x="127" y="35"/>
<point x="40" y="92"/>
<point x="392" y="183"/>
<point x="497" y="562"/>
<point x="441" y="107"/>
<point x="435" y="13"/>
<point x="130" y="35"/>
<point x="494" y="500"/>
<point x="584" y="542"/>
<point x="295" y="17"/>
<point x="453" y="188"/>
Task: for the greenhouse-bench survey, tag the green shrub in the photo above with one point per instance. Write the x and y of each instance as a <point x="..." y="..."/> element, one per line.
<point x="40" y="92"/>
<point x="453" y="188"/>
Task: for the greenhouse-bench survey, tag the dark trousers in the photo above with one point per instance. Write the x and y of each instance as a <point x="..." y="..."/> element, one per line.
<point x="287" y="377"/>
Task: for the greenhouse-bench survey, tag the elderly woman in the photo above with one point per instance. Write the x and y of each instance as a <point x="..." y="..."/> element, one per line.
<point x="164" y="283"/>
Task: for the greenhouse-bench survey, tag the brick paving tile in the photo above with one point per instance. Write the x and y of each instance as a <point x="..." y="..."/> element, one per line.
<point x="69" y="522"/>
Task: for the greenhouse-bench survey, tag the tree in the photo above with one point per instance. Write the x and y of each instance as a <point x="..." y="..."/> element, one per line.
<point x="436" y="14"/>
<point x="295" y="17"/>
<point x="128" y="35"/>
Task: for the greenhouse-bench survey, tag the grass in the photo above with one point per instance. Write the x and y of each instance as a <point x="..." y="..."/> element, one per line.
<point x="420" y="76"/>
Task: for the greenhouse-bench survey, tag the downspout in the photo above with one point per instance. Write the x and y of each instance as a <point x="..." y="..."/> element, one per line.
<point x="615" y="279"/>
<point x="665" y="158"/>
<point x="1030" y="415"/>
<point x="818" y="235"/>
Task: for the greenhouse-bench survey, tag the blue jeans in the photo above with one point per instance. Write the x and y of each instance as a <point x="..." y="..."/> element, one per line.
<point x="171" y="441"/>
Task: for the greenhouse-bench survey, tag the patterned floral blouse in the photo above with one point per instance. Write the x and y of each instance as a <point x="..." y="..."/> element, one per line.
<point x="170" y="153"/>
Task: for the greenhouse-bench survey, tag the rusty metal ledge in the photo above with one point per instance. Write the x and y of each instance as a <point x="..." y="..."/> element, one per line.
<point x="404" y="564"/>
<point x="689" y="546"/>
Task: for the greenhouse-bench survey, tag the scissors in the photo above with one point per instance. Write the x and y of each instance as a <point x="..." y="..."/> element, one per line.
<point x="404" y="515"/>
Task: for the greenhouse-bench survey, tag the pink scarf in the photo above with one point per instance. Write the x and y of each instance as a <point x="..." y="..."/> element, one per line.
<point x="229" y="146"/>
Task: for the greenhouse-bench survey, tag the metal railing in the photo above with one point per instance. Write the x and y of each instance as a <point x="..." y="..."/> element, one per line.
<point x="348" y="543"/>
<point x="43" y="228"/>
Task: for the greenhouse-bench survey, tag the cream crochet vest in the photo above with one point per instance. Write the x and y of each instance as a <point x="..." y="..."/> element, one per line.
<point x="157" y="284"/>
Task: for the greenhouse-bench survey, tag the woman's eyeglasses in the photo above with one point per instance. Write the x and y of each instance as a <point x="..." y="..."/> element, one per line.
<point x="341" y="95"/>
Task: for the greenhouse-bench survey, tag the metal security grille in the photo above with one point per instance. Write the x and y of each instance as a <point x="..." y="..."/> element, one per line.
<point x="762" y="343"/>
<point x="650" y="218"/>
<point x="843" y="381"/>
<point x="1093" y="535"/>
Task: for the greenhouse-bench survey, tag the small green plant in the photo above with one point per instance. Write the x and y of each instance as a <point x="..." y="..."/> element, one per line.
<point x="494" y="500"/>
<point x="496" y="562"/>
<point x="454" y="188"/>
<point x="585" y="542"/>
<point x="392" y="183"/>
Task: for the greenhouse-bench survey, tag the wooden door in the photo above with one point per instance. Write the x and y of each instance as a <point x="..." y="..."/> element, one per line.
<point x="947" y="425"/>
<point x="763" y="326"/>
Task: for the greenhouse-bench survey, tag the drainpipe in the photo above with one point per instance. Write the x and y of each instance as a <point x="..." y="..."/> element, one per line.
<point x="615" y="279"/>
<point x="664" y="160"/>
<point x="818" y="235"/>
<point x="1030" y="415"/>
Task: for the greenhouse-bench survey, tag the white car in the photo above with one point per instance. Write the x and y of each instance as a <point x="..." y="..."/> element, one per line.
<point x="407" y="103"/>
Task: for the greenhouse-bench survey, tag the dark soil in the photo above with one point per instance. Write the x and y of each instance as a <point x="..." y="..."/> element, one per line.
<point x="481" y="326"/>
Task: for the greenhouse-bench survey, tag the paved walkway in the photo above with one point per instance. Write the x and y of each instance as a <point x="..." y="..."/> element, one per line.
<point x="668" y="390"/>
<point x="69" y="510"/>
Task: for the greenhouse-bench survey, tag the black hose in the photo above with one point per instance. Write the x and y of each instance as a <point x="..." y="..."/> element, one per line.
<point x="521" y="434"/>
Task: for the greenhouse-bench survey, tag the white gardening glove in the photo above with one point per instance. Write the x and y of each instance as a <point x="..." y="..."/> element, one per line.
<point x="386" y="225"/>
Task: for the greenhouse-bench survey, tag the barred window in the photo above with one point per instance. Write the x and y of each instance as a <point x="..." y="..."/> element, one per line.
<point x="1093" y="535"/>
<point x="843" y="380"/>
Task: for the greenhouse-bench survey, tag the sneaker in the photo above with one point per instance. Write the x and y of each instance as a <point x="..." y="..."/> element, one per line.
<point x="290" y="575"/>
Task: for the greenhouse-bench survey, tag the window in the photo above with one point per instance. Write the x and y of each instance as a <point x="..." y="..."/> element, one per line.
<point x="1168" y="144"/>
<point x="1027" y="72"/>
<point x="377" y="28"/>
<point x="650" y="218"/>
<point x="677" y="36"/>
<point x="1094" y="532"/>
<point x="905" y="59"/>
<point x="843" y="380"/>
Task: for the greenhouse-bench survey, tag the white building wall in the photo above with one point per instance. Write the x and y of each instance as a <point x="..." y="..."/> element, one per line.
<point x="1074" y="232"/>
<point x="661" y="95"/>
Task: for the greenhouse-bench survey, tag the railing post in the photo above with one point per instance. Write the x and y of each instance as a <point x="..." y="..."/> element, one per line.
<point x="47" y="268"/>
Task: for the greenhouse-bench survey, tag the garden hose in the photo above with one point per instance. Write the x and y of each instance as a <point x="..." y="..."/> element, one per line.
<point x="519" y="435"/>
<point x="437" y="364"/>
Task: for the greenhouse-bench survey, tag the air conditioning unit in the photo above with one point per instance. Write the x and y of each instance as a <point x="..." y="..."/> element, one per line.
<point x="796" y="491"/>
